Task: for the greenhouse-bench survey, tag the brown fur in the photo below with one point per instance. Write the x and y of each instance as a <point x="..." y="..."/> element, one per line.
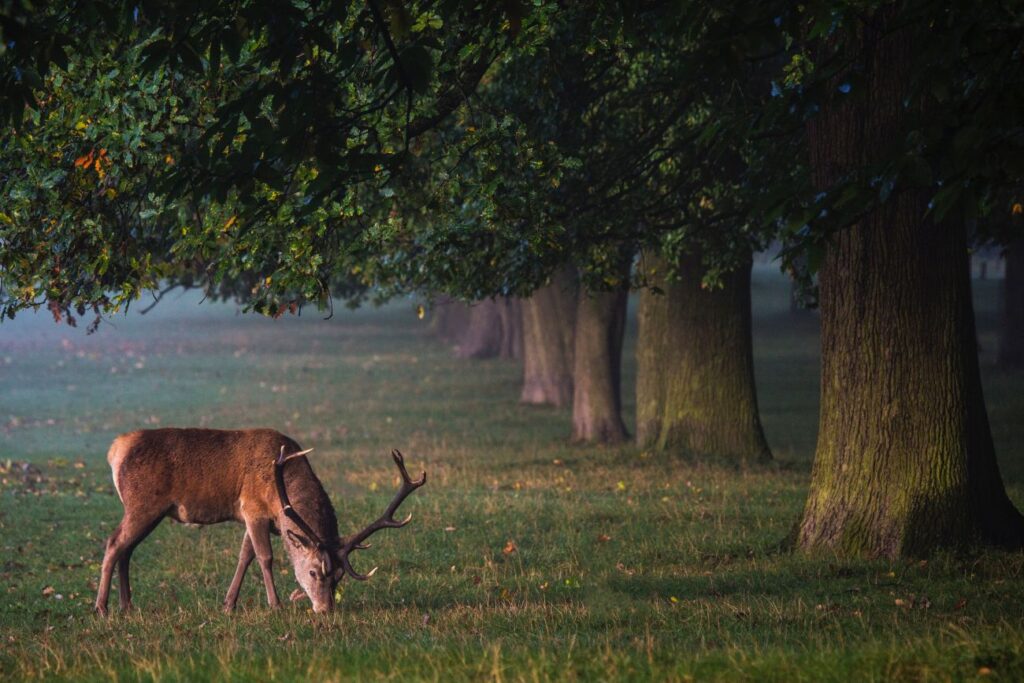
<point x="207" y="476"/>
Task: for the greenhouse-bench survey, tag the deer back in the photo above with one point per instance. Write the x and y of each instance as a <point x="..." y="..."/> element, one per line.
<point x="205" y="476"/>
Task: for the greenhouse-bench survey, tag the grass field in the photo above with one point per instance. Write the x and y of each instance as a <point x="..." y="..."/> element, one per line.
<point x="528" y="558"/>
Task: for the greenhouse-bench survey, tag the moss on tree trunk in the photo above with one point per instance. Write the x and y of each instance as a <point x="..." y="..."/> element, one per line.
<point x="597" y="366"/>
<point x="549" y="318"/>
<point x="904" y="461"/>
<point x="695" y="365"/>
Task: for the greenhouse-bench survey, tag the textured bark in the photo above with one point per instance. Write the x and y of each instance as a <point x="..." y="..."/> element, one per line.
<point x="597" y="366"/>
<point x="695" y="365"/>
<point x="549" y="320"/>
<point x="1011" y="344"/>
<point x="904" y="461"/>
<point x="493" y="330"/>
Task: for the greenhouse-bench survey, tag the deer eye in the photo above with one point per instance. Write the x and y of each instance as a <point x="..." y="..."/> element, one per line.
<point x="312" y="573"/>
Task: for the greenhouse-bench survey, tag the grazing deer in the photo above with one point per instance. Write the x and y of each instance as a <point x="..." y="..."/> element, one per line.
<point x="206" y="476"/>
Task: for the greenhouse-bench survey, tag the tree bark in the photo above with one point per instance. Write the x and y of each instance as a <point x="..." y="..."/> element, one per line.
<point x="549" y="321"/>
<point x="695" y="365"/>
<point x="1011" y="344"/>
<point x="597" y="367"/>
<point x="904" y="461"/>
<point x="493" y="330"/>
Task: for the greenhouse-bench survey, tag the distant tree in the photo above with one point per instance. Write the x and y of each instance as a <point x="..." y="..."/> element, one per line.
<point x="549" y="337"/>
<point x="1011" y="342"/>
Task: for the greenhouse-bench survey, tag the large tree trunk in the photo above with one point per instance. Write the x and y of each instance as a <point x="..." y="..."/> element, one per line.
<point x="1011" y="345"/>
<point x="695" y="365"/>
<point x="493" y="330"/>
<point x="549" y="320"/>
<point x="904" y="460"/>
<point x="597" y="367"/>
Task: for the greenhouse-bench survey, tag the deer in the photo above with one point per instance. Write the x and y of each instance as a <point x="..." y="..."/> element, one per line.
<point x="258" y="477"/>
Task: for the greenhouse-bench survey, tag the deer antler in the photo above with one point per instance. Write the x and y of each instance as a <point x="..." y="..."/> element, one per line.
<point x="286" y="505"/>
<point x="385" y="521"/>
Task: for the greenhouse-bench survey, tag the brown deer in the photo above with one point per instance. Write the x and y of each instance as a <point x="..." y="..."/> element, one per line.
<point x="206" y="476"/>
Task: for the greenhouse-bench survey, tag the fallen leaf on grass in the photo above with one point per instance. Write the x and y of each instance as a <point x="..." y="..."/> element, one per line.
<point x="510" y="547"/>
<point x="48" y="591"/>
<point x="603" y="538"/>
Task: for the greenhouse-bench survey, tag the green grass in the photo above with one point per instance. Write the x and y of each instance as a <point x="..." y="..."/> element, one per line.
<point x="627" y="565"/>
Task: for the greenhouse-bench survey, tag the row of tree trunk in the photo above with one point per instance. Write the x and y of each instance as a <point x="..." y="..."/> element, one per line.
<point x="488" y="329"/>
<point x="695" y="384"/>
<point x="905" y="461"/>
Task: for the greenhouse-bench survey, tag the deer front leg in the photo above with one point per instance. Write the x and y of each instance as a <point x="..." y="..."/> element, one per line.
<point x="259" y="533"/>
<point x="245" y="557"/>
<point x="128" y="534"/>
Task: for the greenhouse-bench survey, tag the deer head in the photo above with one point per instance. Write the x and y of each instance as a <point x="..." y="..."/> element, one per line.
<point x="321" y="563"/>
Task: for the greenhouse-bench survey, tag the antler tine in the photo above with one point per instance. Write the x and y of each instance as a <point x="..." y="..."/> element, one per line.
<point x="282" y="458"/>
<point x="385" y="521"/>
<point x="353" y="573"/>
<point x="400" y="461"/>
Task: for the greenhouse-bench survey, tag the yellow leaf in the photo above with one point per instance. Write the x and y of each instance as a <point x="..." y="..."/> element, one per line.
<point x="1018" y="209"/>
<point x="420" y="312"/>
<point x="81" y="125"/>
<point x="229" y="223"/>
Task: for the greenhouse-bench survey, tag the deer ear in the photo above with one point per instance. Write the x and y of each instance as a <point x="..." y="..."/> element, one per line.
<point x="298" y="541"/>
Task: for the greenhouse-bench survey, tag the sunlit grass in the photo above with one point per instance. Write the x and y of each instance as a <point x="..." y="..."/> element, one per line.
<point x="528" y="558"/>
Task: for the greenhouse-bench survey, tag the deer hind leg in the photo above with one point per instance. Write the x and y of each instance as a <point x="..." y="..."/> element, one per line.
<point x="128" y="534"/>
<point x="245" y="557"/>
<point x="259" y="533"/>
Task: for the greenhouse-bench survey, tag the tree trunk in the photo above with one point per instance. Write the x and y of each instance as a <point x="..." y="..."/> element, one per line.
<point x="549" y="320"/>
<point x="695" y="365"/>
<point x="597" y="367"/>
<point x="493" y="330"/>
<point x="1011" y="345"/>
<point x="904" y="461"/>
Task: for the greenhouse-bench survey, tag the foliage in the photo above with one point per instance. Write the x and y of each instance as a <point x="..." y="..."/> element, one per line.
<point x="294" y="116"/>
<point x="324" y="153"/>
